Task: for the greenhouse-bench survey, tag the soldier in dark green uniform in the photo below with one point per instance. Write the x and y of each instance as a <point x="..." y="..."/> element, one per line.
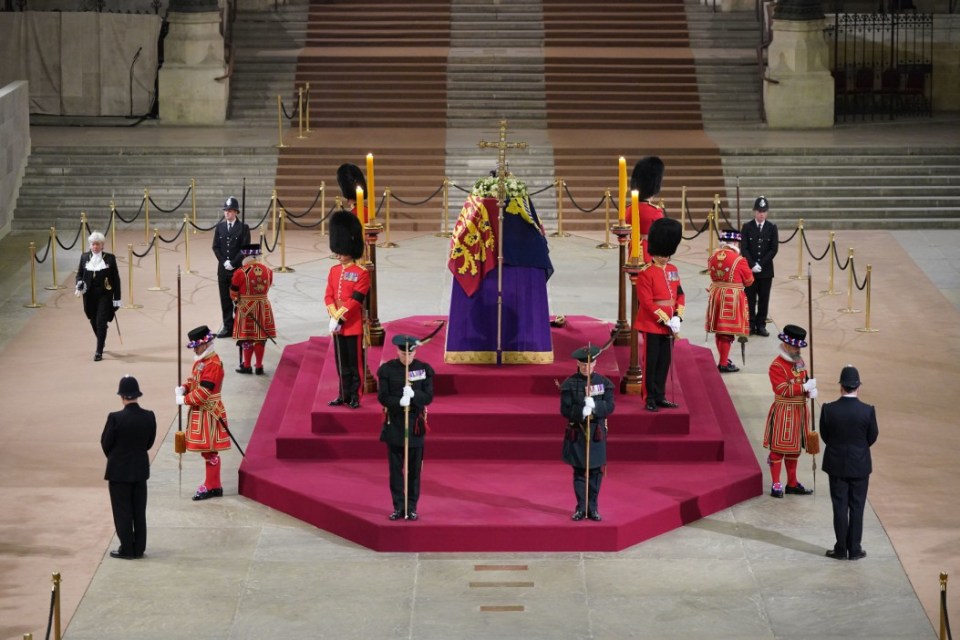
<point x="406" y="388"/>
<point x="583" y="402"/>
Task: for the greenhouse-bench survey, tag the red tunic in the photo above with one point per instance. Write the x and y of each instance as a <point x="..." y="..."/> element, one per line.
<point x="347" y="287"/>
<point x="648" y="213"/>
<point x="659" y="298"/>
<point x="254" y="313"/>
<point x="727" y="303"/>
<point x="786" y="429"/>
<point x="205" y="431"/>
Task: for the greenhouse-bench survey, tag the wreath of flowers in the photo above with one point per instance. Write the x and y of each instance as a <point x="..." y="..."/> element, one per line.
<point x="489" y="186"/>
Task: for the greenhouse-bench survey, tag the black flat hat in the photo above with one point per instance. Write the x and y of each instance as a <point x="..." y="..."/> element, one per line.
<point x="794" y="335"/>
<point x="200" y="335"/>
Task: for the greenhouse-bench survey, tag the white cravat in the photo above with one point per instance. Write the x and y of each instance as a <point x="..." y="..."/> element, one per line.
<point x="95" y="262"/>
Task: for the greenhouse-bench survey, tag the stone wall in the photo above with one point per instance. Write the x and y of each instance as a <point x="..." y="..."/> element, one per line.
<point x="14" y="147"/>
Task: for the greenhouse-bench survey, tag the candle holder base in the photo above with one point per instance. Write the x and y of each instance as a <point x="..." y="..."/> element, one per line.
<point x="631" y="387"/>
<point x="55" y="287"/>
<point x="622" y="330"/>
<point x="377" y="333"/>
<point x="369" y="382"/>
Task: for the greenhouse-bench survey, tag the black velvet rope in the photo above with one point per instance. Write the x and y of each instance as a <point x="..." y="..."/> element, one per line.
<point x="706" y="223"/>
<point x="723" y="214"/>
<point x="296" y="111"/>
<point x="577" y="206"/>
<point x="199" y="228"/>
<point x="546" y="188"/>
<point x="859" y="286"/>
<point x="53" y="602"/>
<point x="836" y="258"/>
<point x="45" y="253"/>
<point x="135" y="216"/>
<point x="162" y="210"/>
<point x="810" y="251"/>
<point x="308" y="210"/>
<point x="416" y="204"/>
<point x="456" y="186"/>
<point x="263" y="218"/>
<point x="307" y="225"/>
<point x="183" y="225"/>
<point x="946" y="615"/>
<point x="146" y="251"/>
<point x="791" y="236"/>
<point x="75" y="239"/>
<point x="276" y="239"/>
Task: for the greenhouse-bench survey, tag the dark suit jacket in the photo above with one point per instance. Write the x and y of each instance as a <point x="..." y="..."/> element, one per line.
<point x="227" y="245"/>
<point x="849" y="428"/>
<point x="113" y="274"/>
<point x="126" y="441"/>
<point x="760" y="246"/>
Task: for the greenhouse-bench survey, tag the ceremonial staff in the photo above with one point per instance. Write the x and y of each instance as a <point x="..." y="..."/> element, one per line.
<point x="406" y="419"/>
<point x="813" y="438"/>
<point x="589" y="433"/>
<point x="179" y="438"/>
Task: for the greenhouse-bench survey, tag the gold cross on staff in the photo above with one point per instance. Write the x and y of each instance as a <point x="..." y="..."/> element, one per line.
<point x="501" y="148"/>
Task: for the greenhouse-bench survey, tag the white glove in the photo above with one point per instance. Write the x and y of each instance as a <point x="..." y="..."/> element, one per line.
<point x="180" y="400"/>
<point x="408" y="391"/>
<point x="587" y="411"/>
<point x="812" y="393"/>
<point x="810" y="384"/>
<point x="757" y="268"/>
<point x="404" y="401"/>
<point x="227" y="265"/>
<point x="180" y="392"/>
<point x="116" y="304"/>
<point x="334" y="325"/>
<point x="77" y="292"/>
<point x="589" y="402"/>
<point x="81" y="288"/>
<point x="674" y="324"/>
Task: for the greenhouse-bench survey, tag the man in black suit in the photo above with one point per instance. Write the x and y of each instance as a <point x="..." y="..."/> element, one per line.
<point x="98" y="281"/>
<point x="126" y="441"/>
<point x="849" y="428"/>
<point x="229" y="237"/>
<point x="759" y="246"/>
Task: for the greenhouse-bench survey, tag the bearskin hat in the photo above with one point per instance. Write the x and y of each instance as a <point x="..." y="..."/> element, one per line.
<point x="349" y="177"/>
<point x="647" y="176"/>
<point x="664" y="237"/>
<point x="346" y="234"/>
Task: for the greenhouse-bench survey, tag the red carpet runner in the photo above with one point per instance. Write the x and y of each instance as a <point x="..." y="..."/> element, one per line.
<point x="492" y="477"/>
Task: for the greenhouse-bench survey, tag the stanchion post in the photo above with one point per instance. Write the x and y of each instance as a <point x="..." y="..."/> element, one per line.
<point x="868" y="286"/>
<point x="850" y="284"/>
<point x="186" y="244"/>
<point x="113" y="226"/>
<point x="833" y="261"/>
<point x="273" y="212"/>
<point x="33" y="279"/>
<point x="943" y="611"/>
<point x="308" y="107"/>
<point x="84" y="231"/>
<point x="130" y="305"/>
<point x="606" y="223"/>
<point x="323" y="195"/>
<point x="53" y="261"/>
<point x="300" y="113"/>
<point x="280" y="120"/>
<point x="56" y="606"/>
<point x="283" y="243"/>
<point x="560" y="232"/>
<point x="711" y="234"/>
<point x="445" y="214"/>
<point x="193" y="202"/>
<point x="146" y="216"/>
<point x="800" y="275"/>
<point x="156" y="261"/>
<point x="387" y="244"/>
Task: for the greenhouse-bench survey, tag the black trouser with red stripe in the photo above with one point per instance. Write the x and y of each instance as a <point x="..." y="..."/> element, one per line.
<point x="349" y="353"/>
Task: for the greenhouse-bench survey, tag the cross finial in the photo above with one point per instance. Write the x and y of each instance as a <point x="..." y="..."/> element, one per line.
<point x="501" y="146"/>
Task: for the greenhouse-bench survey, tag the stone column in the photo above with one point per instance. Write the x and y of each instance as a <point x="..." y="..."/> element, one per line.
<point x="193" y="60"/>
<point x="801" y="96"/>
<point x="946" y="63"/>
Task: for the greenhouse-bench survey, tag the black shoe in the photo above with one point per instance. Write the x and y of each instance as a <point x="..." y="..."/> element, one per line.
<point x="244" y="370"/>
<point x="651" y="405"/>
<point x="799" y="490"/>
<point x="836" y="555"/>
<point x="225" y="333"/>
<point x="593" y="515"/>
<point x="336" y="402"/>
<point x="753" y="332"/>
<point x="776" y="491"/>
<point x="354" y="403"/>
<point x="209" y="493"/>
<point x="762" y="332"/>
<point x="578" y="516"/>
<point x="858" y="556"/>
<point x="258" y="371"/>
<point x="122" y="556"/>
<point x="97" y="357"/>
<point x="413" y="516"/>
<point x="728" y="368"/>
<point x="666" y="404"/>
<point x="396" y="515"/>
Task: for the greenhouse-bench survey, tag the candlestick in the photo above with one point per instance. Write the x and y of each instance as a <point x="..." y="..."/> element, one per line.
<point x="622" y="193"/>
<point x="635" y="225"/>
<point x="372" y="188"/>
<point x="361" y="213"/>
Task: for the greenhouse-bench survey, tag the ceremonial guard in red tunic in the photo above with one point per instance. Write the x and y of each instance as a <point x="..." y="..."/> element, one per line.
<point x="349" y="177"/>
<point x="727" y="315"/>
<point x="786" y="428"/>
<point x="206" y="432"/>
<point x="646" y="179"/>
<point x="586" y="399"/>
<point x="660" y="305"/>
<point x="347" y="286"/>
<point x="253" y="322"/>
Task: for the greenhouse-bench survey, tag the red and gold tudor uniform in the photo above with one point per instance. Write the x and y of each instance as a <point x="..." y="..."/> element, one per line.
<point x="253" y="321"/>
<point x="786" y="426"/>
<point x="727" y="314"/>
<point x="648" y="214"/>
<point x="205" y="432"/>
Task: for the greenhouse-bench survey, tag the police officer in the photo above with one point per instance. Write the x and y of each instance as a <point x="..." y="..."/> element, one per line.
<point x="760" y="244"/>
<point x="229" y="236"/>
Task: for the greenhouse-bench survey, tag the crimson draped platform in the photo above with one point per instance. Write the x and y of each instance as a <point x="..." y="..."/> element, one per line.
<point x="492" y="477"/>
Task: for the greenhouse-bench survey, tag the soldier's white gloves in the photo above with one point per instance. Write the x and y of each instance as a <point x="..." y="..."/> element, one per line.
<point x="334" y="325"/>
<point x="116" y="304"/>
<point x="589" y="402"/>
<point x="227" y="265"/>
<point x="404" y="401"/>
<point x="810" y="384"/>
<point x="180" y="392"/>
<point x="587" y="411"/>
<point x="674" y="324"/>
<point x="757" y="268"/>
<point x="408" y="391"/>
<point x="812" y="393"/>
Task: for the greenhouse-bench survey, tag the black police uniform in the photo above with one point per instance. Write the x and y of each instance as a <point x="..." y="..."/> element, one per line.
<point x="227" y="245"/>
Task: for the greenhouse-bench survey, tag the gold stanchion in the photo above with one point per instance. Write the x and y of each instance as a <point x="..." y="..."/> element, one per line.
<point x="146" y="216"/>
<point x="714" y="225"/>
<point x="186" y="245"/>
<point x="193" y="202"/>
<point x="130" y="305"/>
<point x="53" y="261"/>
<point x="84" y="231"/>
<point x="833" y="261"/>
<point x="800" y="275"/>
<point x="866" y="328"/>
<point x="273" y="212"/>
<point x="280" y="120"/>
<point x="606" y="223"/>
<point x="711" y="234"/>
<point x="559" y="233"/>
<point x="28" y="636"/>
<point x="308" y="107"/>
<point x="263" y="243"/>
<point x="943" y="610"/>
<point x="445" y="214"/>
<point x="338" y="203"/>
<point x="386" y="244"/>
<point x="323" y="196"/>
<point x="113" y="227"/>
<point x="33" y="279"/>
<point x="56" y="606"/>
<point x="300" y="113"/>
<point x="850" y="284"/>
<point x="283" y="243"/>
<point x="156" y="261"/>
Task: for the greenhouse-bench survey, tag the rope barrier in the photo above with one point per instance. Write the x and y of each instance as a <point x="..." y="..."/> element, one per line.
<point x="174" y="239"/>
<point x="146" y="251"/>
<point x="860" y="287"/>
<point x="135" y="216"/>
<point x="545" y="189"/>
<point x="75" y="239"/>
<point x="458" y="187"/>
<point x="306" y="225"/>
<point x="46" y="252"/>
<point x="706" y="223"/>
<point x="577" y="206"/>
<point x="199" y="228"/>
<point x="263" y="218"/>
<point x="53" y="601"/>
<point x="417" y="204"/>
<point x="308" y="210"/>
<point x="842" y="267"/>
<point x="276" y="238"/>
<point x="795" y="231"/>
<point x="287" y="115"/>
<point x="810" y="251"/>
<point x="945" y="632"/>
<point x="723" y="214"/>
<point x="162" y="210"/>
